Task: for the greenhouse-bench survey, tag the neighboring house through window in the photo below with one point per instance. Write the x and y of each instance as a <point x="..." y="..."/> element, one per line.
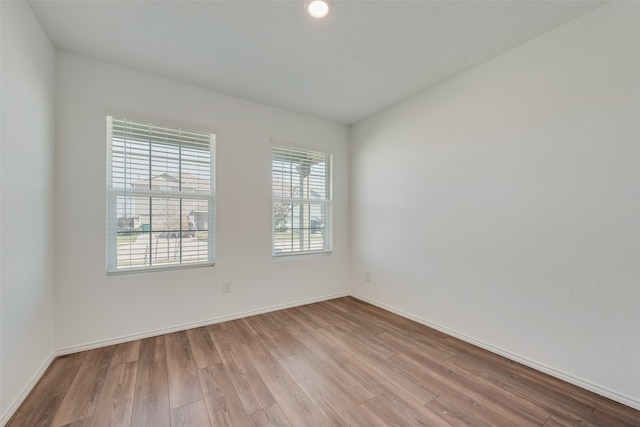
<point x="160" y="195"/>
<point x="302" y="201"/>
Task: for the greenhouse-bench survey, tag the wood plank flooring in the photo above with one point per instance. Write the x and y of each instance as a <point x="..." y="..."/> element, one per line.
<point x="334" y="363"/>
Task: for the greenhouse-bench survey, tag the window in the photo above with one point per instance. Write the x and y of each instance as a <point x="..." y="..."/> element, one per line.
<point x="160" y="195"/>
<point x="301" y="193"/>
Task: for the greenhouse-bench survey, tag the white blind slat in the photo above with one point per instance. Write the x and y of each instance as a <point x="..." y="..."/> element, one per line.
<point x="301" y="193"/>
<point x="161" y="196"/>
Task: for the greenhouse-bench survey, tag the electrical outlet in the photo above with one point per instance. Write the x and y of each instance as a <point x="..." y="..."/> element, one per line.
<point x="367" y="276"/>
<point x="226" y="286"/>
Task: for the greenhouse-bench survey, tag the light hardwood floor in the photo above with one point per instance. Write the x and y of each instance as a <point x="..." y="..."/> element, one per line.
<point x="334" y="363"/>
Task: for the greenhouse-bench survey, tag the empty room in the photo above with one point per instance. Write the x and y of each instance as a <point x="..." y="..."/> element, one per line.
<point x="332" y="213"/>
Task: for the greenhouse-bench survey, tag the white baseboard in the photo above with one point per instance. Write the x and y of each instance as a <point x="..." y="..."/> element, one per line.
<point x="625" y="400"/>
<point x="6" y="416"/>
<point x="104" y="343"/>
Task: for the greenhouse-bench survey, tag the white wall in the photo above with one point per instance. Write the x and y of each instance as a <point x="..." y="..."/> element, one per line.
<point x="504" y="204"/>
<point x="91" y="307"/>
<point x="27" y="209"/>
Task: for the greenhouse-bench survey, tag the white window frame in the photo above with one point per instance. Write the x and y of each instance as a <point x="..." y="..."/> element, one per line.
<point x="113" y="192"/>
<point x="323" y="201"/>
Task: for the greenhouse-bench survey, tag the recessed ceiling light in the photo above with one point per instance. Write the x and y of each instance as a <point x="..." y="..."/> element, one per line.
<point x="318" y="8"/>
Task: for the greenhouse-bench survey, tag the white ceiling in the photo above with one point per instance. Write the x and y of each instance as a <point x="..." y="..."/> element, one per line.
<point x="362" y="58"/>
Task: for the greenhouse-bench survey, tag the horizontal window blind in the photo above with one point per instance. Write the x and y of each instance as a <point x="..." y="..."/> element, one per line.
<point x="302" y="201"/>
<point x="160" y="195"/>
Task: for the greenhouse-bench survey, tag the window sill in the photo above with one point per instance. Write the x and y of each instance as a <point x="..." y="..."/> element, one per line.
<point x="160" y="268"/>
<point x="300" y="255"/>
